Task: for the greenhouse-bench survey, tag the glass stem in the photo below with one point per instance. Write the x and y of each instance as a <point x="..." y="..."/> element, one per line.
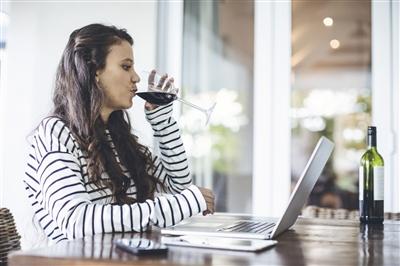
<point x="191" y="104"/>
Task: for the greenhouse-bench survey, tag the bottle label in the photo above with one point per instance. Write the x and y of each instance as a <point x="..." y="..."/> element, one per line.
<point x="378" y="183"/>
<point x="361" y="183"/>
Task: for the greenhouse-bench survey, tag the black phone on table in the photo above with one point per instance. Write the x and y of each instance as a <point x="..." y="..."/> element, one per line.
<point x="141" y="246"/>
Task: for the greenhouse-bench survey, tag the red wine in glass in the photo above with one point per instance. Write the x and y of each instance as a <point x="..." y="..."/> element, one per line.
<point x="157" y="97"/>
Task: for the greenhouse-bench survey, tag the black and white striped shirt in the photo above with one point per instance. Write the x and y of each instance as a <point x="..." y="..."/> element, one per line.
<point x="67" y="205"/>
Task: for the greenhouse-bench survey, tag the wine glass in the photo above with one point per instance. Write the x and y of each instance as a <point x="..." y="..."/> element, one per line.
<point x="162" y="97"/>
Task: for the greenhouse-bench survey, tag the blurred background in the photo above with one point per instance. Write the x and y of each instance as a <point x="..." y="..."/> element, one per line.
<point x="283" y="73"/>
<point x="330" y="95"/>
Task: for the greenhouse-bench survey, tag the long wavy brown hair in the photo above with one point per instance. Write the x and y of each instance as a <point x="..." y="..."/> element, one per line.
<point x="78" y="100"/>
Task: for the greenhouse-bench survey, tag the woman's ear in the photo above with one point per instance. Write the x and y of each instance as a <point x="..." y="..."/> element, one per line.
<point x="97" y="76"/>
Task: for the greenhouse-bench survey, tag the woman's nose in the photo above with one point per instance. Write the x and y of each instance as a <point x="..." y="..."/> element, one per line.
<point x="135" y="77"/>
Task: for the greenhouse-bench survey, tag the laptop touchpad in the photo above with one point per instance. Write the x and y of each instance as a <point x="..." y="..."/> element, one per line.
<point x="202" y="224"/>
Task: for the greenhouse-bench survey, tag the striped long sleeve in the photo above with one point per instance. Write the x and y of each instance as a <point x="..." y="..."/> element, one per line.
<point x="172" y="166"/>
<point x="67" y="205"/>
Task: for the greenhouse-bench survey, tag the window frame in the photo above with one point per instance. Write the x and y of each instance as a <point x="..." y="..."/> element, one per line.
<point x="272" y="71"/>
<point x="385" y="93"/>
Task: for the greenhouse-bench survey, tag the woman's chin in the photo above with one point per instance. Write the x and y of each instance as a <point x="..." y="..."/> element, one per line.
<point x="128" y="104"/>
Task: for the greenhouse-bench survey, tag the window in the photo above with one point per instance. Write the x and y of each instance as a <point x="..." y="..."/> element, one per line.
<point x="217" y="67"/>
<point x="331" y="92"/>
<point x="4" y="20"/>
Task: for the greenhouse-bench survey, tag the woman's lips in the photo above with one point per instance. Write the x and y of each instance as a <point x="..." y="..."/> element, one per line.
<point x="133" y="92"/>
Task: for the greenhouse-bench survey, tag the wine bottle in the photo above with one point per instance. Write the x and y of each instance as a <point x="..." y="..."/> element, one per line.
<point x="371" y="182"/>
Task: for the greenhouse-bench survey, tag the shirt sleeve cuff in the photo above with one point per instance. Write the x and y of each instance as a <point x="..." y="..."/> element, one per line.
<point x="199" y="197"/>
<point x="160" y="114"/>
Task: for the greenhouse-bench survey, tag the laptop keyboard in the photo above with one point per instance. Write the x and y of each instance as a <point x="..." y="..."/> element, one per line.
<point x="248" y="227"/>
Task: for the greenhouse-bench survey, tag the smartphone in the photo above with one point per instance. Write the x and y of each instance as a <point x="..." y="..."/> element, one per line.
<point x="220" y="243"/>
<point x="141" y="246"/>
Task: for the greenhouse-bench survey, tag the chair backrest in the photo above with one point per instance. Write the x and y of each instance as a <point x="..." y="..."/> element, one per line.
<point x="341" y="214"/>
<point x="9" y="237"/>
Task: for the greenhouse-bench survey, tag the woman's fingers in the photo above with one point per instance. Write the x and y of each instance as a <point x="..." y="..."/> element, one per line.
<point x="209" y="198"/>
<point x="169" y="83"/>
<point x="162" y="81"/>
<point x="151" y="78"/>
<point x="150" y="106"/>
<point x="209" y="195"/>
<point x="210" y="207"/>
<point x="165" y="83"/>
<point x="206" y="212"/>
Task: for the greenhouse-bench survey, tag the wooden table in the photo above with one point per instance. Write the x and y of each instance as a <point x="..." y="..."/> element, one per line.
<point x="311" y="242"/>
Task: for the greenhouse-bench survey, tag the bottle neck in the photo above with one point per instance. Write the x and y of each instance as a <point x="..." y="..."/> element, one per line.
<point x="371" y="140"/>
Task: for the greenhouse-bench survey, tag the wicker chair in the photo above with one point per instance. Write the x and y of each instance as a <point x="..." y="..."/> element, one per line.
<point x="9" y="237"/>
<point x="343" y="214"/>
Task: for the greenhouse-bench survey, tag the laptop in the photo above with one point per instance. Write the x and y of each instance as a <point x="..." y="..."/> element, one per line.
<point x="251" y="227"/>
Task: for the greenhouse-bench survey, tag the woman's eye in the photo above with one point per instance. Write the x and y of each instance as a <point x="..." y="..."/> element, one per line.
<point x="126" y="67"/>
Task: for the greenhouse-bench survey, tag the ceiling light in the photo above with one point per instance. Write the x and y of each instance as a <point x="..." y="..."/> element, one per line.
<point x="328" y="21"/>
<point x="335" y="44"/>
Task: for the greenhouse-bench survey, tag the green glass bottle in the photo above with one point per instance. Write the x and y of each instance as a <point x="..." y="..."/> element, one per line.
<point x="371" y="182"/>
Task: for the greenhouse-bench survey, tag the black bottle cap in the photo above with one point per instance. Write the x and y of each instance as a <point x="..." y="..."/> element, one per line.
<point x="371" y="130"/>
<point x="371" y="136"/>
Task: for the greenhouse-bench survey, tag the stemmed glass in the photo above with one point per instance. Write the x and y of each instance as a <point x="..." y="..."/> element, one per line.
<point x="156" y="95"/>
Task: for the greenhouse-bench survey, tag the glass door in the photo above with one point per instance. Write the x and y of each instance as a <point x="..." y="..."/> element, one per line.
<point x="331" y="92"/>
<point x="217" y="66"/>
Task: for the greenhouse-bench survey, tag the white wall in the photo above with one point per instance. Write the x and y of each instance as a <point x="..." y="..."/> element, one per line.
<point x="37" y="35"/>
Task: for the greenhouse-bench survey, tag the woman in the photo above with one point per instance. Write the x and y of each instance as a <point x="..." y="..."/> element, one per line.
<point x="86" y="171"/>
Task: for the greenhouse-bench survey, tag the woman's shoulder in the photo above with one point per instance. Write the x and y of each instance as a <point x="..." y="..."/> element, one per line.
<point x="52" y="126"/>
<point x="53" y="131"/>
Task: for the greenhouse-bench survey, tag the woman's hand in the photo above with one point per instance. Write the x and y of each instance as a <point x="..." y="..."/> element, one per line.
<point x="164" y="84"/>
<point x="209" y="197"/>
